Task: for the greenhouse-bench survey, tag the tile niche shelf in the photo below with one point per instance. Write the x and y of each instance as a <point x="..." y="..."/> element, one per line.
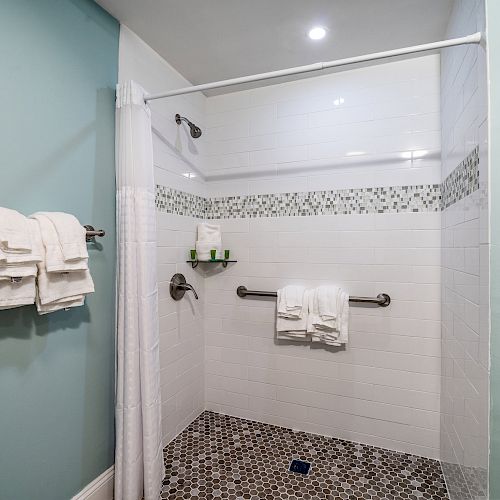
<point x="224" y="262"/>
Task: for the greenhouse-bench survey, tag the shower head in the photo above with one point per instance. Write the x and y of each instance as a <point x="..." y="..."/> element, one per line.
<point x="195" y="131"/>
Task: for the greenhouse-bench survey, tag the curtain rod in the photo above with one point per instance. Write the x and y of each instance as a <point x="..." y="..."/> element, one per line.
<point x="469" y="39"/>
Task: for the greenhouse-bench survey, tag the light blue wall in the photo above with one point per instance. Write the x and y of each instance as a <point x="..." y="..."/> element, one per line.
<point x="58" y="71"/>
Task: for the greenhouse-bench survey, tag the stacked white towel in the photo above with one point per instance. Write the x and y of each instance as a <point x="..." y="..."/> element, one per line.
<point x="63" y="276"/>
<point x="20" y="251"/>
<point x="14" y="232"/>
<point x="328" y="319"/>
<point x="16" y="264"/>
<point x="209" y="238"/>
<point x="292" y="313"/>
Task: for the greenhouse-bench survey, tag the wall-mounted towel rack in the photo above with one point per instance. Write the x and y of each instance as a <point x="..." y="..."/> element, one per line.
<point x="92" y="233"/>
<point x="382" y="299"/>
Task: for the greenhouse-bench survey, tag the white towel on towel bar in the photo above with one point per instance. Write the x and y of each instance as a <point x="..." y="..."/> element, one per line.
<point x="315" y="323"/>
<point x="59" y="306"/>
<point x="18" y="270"/>
<point x="14" y="265"/>
<point x="71" y="235"/>
<point x="290" y="301"/>
<point x="293" y="328"/>
<point x="335" y="332"/>
<point x="14" y="232"/>
<point x="344" y="322"/>
<point x="54" y="257"/>
<point x="340" y="336"/>
<point x="16" y="294"/>
<point x="62" y="287"/>
<point x="64" y="284"/>
<point x="328" y="302"/>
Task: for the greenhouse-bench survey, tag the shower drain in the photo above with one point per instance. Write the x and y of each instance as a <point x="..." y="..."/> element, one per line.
<point x="300" y="467"/>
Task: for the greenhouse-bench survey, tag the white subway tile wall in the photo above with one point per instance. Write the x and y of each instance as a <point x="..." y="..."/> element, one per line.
<point x="383" y="389"/>
<point x="465" y="265"/>
<point x="181" y="328"/>
<point x="374" y="126"/>
<point x="178" y="158"/>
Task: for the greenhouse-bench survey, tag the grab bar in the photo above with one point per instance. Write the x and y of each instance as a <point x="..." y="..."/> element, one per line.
<point x="382" y="299"/>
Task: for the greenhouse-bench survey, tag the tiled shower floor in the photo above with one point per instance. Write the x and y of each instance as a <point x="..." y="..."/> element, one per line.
<point x="219" y="456"/>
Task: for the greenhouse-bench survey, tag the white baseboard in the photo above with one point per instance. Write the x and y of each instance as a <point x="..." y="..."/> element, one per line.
<point x="101" y="488"/>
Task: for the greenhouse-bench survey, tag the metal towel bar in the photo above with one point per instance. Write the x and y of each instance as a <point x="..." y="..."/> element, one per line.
<point x="92" y="233"/>
<point x="382" y="299"/>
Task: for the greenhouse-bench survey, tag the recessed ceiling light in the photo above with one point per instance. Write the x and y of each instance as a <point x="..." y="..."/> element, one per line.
<point x="317" y="33"/>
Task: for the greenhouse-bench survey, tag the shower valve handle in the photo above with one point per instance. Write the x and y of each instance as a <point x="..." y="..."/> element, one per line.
<point x="179" y="286"/>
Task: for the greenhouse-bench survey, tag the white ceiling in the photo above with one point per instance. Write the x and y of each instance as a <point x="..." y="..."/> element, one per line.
<point x="209" y="40"/>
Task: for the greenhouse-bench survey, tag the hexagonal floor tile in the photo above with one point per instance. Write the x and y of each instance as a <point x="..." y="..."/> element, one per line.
<point x="223" y="457"/>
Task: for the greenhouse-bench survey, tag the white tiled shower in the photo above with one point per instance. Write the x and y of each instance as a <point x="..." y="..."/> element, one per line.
<point x="384" y="388"/>
<point x="465" y="265"/>
<point x="362" y="132"/>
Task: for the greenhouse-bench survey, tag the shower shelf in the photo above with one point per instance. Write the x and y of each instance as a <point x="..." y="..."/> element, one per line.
<point x="224" y="262"/>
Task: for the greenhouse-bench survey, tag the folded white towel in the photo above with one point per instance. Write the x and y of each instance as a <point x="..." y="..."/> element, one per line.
<point x="294" y="328"/>
<point x="14" y="232"/>
<point x="203" y="249"/>
<point x="71" y="235"/>
<point x="338" y="335"/>
<point x="13" y="265"/>
<point x="62" y="287"/>
<point x="54" y="257"/>
<point x="18" y="270"/>
<point x="328" y="302"/>
<point x="208" y="232"/>
<point x="295" y="336"/>
<point x="316" y="325"/>
<point x="344" y="323"/>
<point x="16" y="294"/>
<point x="290" y="301"/>
<point x="59" y="306"/>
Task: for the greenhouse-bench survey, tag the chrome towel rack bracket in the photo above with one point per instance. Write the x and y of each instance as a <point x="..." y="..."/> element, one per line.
<point x="92" y="233"/>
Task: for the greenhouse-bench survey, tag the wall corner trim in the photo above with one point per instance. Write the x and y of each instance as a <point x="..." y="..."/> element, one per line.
<point x="101" y="488"/>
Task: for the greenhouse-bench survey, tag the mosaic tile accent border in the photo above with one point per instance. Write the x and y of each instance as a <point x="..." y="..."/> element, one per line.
<point x="422" y="198"/>
<point x="222" y="457"/>
<point x="463" y="181"/>
<point x="180" y="203"/>
<point x="338" y="202"/>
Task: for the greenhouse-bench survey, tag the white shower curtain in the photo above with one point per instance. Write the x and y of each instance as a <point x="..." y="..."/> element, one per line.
<point x="138" y="459"/>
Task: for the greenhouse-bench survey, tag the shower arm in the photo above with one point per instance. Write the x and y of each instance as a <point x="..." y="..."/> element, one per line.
<point x="179" y="119"/>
